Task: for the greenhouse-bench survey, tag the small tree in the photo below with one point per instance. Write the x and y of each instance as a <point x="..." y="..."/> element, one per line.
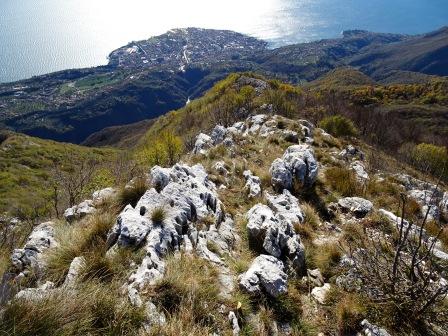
<point x="166" y="150"/>
<point x="72" y="180"/>
<point x="172" y="145"/>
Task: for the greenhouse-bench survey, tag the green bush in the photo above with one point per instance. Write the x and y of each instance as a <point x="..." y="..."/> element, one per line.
<point x="431" y="158"/>
<point x="338" y="126"/>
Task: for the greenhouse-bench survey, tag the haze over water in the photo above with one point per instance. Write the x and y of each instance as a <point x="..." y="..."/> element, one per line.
<point x="41" y="36"/>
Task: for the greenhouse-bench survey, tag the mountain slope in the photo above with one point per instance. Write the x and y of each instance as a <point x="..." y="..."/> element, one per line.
<point x="125" y="136"/>
<point x="427" y="54"/>
<point x="27" y="171"/>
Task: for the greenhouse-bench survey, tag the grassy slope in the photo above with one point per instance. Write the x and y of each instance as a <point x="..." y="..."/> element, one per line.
<point x="25" y="165"/>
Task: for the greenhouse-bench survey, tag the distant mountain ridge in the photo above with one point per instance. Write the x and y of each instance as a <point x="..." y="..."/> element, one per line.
<point x="148" y="78"/>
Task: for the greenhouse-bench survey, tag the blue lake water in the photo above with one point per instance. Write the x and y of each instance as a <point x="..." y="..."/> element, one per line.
<point x="41" y="36"/>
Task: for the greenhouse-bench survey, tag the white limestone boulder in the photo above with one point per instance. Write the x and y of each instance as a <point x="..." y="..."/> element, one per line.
<point x="253" y="184"/>
<point x="266" y="274"/>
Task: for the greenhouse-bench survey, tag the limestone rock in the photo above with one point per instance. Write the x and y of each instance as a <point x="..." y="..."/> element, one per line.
<point x="73" y="273"/>
<point x="218" y="134"/>
<point x="319" y="293"/>
<point x="130" y="229"/>
<point x="428" y="202"/>
<point x="35" y="294"/>
<point x="266" y="273"/>
<point x="102" y="195"/>
<point x="444" y="203"/>
<point x="253" y="184"/>
<point x="79" y="211"/>
<point x="203" y="144"/>
<point x="360" y="207"/>
<point x="30" y="256"/>
<point x="187" y="197"/>
<point x="351" y="152"/>
<point x="299" y="164"/>
<point x="360" y="171"/>
<point x="281" y="177"/>
<point x="160" y="177"/>
<point x="220" y="168"/>
<point x="372" y="330"/>
<point x="315" y="277"/>
<point x="153" y="316"/>
<point x="234" y="323"/>
<point x="259" y="218"/>
<point x="286" y="206"/>
<point x="275" y="234"/>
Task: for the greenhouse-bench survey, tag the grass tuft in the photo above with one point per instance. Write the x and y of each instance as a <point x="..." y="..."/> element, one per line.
<point x="132" y="193"/>
<point x="158" y="215"/>
<point x="343" y="181"/>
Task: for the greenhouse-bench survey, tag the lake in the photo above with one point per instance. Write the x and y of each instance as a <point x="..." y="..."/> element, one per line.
<point x="41" y="36"/>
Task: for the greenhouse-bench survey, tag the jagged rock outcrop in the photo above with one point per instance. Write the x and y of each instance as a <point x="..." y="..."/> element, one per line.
<point x="262" y="125"/>
<point x="360" y="171"/>
<point x="218" y="134"/>
<point x="203" y="143"/>
<point x="431" y="197"/>
<point x="358" y="206"/>
<point x="298" y="165"/>
<point x="414" y="231"/>
<point x="102" y="195"/>
<point x="35" y="294"/>
<point x="220" y="168"/>
<point x="315" y="277"/>
<point x="186" y="196"/>
<point x="234" y="323"/>
<point x="265" y="274"/>
<point x="352" y="153"/>
<point x="88" y="207"/>
<point x="428" y="202"/>
<point x="275" y="234"/>
<point x="253" y="184"/>
<point x="29" y="258"/>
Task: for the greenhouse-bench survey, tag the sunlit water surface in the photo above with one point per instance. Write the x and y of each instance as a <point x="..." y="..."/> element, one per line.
<point x="41" y="36"/>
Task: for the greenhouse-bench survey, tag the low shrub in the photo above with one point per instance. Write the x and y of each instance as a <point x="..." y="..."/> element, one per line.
<point x="338" y="126"/>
